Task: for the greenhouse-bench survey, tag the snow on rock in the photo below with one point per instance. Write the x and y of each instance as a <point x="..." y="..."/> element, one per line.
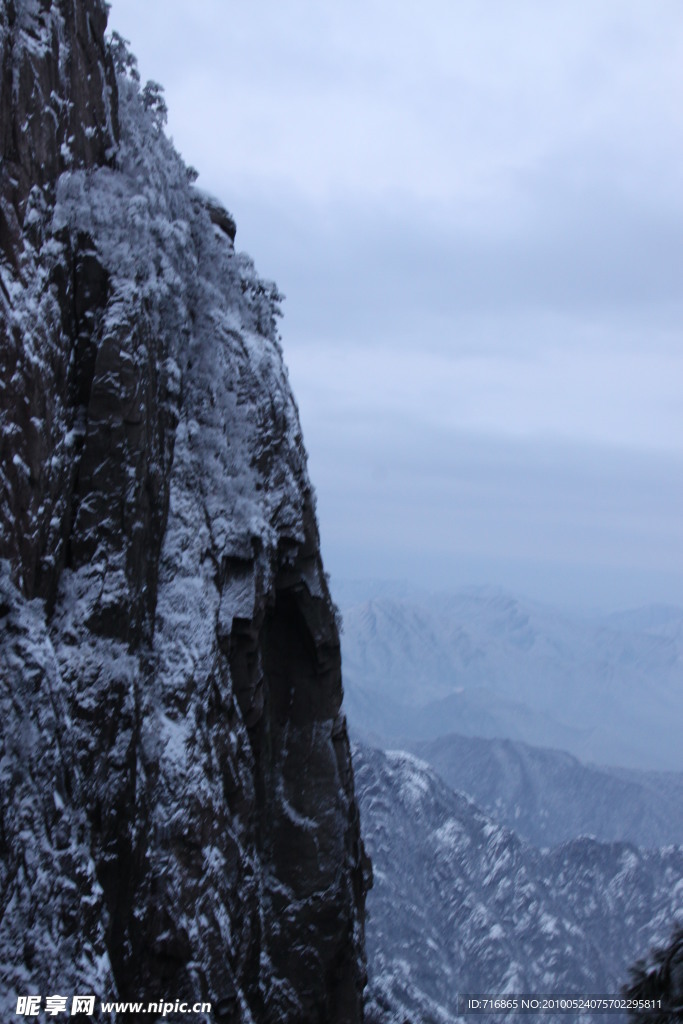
<point x="471" y="908"/>
<point x="178" y="811"/>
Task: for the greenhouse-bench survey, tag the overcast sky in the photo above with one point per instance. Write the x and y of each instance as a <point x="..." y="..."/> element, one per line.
<point x="474" y="208"/>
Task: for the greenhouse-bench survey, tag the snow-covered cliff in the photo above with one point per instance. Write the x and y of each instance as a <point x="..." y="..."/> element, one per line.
<point x="178" y="811"/>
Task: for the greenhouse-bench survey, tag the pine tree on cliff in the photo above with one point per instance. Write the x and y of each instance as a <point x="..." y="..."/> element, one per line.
<point x="659" y="979"/>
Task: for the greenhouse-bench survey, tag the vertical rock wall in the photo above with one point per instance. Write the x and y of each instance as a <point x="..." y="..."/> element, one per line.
<point x="178" y="815"/>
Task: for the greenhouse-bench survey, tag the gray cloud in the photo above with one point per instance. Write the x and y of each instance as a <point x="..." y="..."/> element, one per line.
<point x="475" y="213"/>
<point x="578" y="254"/>
<point x="577" y="524"/>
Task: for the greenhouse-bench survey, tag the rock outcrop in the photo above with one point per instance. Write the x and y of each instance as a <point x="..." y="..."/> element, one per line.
<point x="656" y="985"/>
<point x="178" y="812"/>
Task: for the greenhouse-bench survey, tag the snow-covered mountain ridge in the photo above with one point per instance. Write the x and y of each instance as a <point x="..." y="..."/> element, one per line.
<point x="170" y="658"/>
<point x="461" y="905"/>
<point x="548" y="796"/>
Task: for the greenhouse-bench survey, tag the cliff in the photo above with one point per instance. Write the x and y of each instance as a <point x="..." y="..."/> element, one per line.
<point x="178" y="812"/>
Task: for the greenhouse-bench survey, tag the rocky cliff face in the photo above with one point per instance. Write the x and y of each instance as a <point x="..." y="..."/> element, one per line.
<point x="178" y="813"/>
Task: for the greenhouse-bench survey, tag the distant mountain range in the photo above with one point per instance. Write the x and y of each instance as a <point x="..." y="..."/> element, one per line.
<point x="549" y="797"/>
<point x="462" y="905"/>
<point x="483" y="662"/>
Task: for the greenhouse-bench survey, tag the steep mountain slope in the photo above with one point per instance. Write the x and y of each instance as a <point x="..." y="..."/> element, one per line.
<point x="483" y="662"/>
<point x="548" y="797"/>
<point x="177" y="801"/>
<point x="461" y="905"/>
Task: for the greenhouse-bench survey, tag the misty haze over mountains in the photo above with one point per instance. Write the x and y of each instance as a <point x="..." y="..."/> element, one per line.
<point x="548" y="796"/>
<point x="483" y="662"/>
<point x="503" y="862"/>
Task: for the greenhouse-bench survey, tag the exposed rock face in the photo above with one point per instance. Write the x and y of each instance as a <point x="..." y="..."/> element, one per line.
<point x="57" y="103"/>
<point x="178" y="813"/>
